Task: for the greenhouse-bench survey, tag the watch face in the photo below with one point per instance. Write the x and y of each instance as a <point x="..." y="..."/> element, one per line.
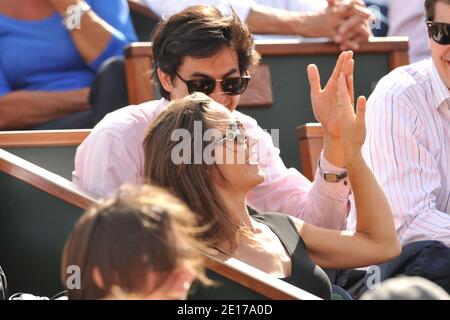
<point x="331" y="177"/>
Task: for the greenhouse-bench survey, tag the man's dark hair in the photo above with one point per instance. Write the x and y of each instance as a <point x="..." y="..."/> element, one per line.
<point x="200" y="32"/>
<point x="430" y="8"/>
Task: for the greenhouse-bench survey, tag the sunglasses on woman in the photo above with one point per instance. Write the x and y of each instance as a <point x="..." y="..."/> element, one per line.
<point x="231" y="86"/>
<point x="439" y="31"/>
<point x="236" y="132"/>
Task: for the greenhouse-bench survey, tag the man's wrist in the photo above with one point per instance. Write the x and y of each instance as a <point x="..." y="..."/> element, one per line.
<point x="306" y="25"/>
<point x="295" y="21"/>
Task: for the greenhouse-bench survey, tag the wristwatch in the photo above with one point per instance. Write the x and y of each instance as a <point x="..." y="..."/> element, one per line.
<point x="74" y="13"/>
<point x="331" y="176"/>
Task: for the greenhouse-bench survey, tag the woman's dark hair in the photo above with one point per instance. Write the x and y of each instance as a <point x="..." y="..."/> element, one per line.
<point x="200" y="32"/>
<point x="190" y="182"/>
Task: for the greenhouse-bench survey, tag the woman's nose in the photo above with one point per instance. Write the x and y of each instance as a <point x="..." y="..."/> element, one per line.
<point x="252" y="149"/>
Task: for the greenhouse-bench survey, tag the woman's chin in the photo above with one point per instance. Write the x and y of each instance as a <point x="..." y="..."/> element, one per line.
<point x="256" y="172"/>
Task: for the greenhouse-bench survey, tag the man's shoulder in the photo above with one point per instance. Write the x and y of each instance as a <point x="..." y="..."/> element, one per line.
<point x="122" y="129"/>
<point x="405" y="79"/>
<point x="130" y="120"/>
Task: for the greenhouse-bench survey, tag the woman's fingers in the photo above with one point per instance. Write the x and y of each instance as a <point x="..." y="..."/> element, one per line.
<point x="314" y="79"/>
<point x="349" y="66"/>
<point x="347" y="115"/>
<point x="343" y="95"/>
<point x="361" y="112"/>
<point x="351" y="90"/>
<point x="342" y="60"/>
<point x="349" y="73"/>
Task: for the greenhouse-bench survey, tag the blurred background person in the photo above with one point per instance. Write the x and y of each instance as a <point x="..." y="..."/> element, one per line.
<point x="140" y="244"/>
<point x="379" y="22"/>
<point x="57" y="65"/>
<point x="407" y="148"/>
<point x="346" y="22"/>
<point x="406" y="288"/>
<point x="409" y="20"/>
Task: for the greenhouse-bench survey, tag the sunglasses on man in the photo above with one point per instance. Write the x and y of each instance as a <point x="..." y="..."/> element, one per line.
<point x="439" y="32"/>
<point x="231" y="86"/>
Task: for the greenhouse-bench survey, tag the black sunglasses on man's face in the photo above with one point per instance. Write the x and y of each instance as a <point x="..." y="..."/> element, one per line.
<point x="439" y="32"/>
<point x="231" y="86"/>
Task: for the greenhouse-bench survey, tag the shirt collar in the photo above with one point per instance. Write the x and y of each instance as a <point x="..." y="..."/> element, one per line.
<point x="440" y="91"/>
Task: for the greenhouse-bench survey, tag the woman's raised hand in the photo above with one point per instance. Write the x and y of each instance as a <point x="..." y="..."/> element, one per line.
<point x="352" y="124"/>
<point x="324" y="101"/>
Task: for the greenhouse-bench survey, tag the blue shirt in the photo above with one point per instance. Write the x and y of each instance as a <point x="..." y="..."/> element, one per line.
<point x="40" y="54"/>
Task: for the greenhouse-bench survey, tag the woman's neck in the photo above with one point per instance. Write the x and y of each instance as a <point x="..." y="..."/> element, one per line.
<point x="236" y="207"/>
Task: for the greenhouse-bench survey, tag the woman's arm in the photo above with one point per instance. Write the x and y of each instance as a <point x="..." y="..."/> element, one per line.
<point x="95" y="35"/>
<point x="375" y="240"/>
<point x="25" y="109"/>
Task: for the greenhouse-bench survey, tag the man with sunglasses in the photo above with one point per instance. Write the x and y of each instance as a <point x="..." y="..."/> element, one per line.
<point x="408" y="147"/>
<point x="201" y="50"/>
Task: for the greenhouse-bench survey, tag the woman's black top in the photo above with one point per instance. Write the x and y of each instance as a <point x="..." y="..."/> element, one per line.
<point x="305" y="273"/>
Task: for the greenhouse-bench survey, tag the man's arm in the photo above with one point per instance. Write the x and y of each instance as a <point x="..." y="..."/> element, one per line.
<point x="25" y="109"/>
<point x="322" y="23"/>
<point x="398" y="150"/>
<point x="166" y="8"/>
<point x="103" y="162"/>
<point x="268" y="20"/>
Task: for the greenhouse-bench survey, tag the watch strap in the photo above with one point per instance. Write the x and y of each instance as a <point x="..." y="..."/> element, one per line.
<point x="332" y="177"/>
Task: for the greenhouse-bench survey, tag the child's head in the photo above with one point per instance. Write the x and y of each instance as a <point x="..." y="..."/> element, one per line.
<point x="140" y="243"/>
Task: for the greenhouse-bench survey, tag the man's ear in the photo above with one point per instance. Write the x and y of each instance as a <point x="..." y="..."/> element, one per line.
<point x="165" y="80"/>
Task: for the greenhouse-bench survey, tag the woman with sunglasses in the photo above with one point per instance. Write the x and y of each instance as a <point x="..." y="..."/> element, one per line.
<point x="61" y="62"/>
<point x="284" y="247"/>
